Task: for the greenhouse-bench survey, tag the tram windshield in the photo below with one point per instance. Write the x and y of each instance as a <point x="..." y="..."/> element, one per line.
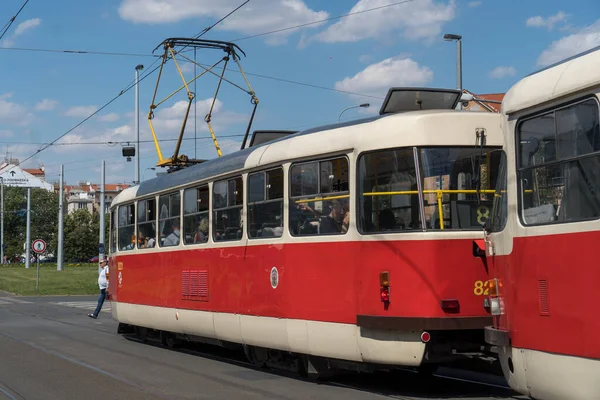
<point x="455" y="191"/>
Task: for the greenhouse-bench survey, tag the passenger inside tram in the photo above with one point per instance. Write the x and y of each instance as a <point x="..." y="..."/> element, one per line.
<point x="201" y="235"/>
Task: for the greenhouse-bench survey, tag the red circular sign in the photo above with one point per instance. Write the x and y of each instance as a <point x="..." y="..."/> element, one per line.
<point x="39" y="246"/>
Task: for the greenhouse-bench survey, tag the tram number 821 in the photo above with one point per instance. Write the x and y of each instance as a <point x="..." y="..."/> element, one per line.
<point x="481" y="288"/>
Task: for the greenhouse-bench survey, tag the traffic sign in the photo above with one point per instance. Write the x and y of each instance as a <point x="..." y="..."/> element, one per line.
<point x="39" y="246"/>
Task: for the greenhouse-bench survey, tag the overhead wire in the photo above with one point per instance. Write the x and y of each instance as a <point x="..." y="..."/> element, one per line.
<point x="122" y="92"/>
<point x="131" y="85"/>
<point x="322" y="20"/>
<point x="102" y="53"/>
<point x="13" y="18"/>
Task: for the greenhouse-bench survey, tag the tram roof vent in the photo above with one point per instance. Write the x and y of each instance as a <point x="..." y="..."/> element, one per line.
<point x="414" y="99"/>
<point x="263" y="136"/>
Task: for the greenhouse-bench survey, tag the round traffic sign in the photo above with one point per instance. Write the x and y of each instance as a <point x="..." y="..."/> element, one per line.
<point x="38" y="245"/>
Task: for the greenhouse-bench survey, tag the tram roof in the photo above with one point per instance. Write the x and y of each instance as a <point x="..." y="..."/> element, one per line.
<point x="242" y="158"/>
<point x="555" y="81"/>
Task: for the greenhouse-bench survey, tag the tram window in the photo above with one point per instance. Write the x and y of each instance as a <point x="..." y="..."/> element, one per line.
<point x="327" y="211"/>
<point x="389" y="200"/>
<point x="113" y="230"/>
<point x="195" y="215"/>
<point x="126" y="227"/>
<point x="146" y="222"/>
<point x="559" y="165"/>
<point x="169" y="219"/>
<point x="227" y="209"/>
<point x="451" y="176"/>
<point x="500" y="205"/>
<point x="265" y="204"/>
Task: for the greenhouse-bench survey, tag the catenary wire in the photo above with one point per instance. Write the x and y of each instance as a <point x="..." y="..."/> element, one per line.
<point x="10" y="22"/>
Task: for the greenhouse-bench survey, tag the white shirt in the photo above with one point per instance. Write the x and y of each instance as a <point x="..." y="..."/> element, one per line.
<point x="102" y="281"/>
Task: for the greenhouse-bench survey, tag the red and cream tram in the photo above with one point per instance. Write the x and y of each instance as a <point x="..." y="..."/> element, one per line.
<point x="544" y="228"/>
<point x="353" y="242"/>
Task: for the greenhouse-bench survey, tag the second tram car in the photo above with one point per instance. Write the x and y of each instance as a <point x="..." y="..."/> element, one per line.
<point x="355" y="242"/>
<point x="544" y="232"/>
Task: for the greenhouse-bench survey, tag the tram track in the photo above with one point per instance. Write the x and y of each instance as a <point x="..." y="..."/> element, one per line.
<point x="375" y="383"/>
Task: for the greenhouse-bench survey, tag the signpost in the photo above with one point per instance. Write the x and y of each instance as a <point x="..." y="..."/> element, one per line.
<point x="39" y="246"/>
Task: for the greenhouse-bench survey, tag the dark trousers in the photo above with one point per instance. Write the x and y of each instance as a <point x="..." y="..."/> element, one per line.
<point x="100" y="302"/>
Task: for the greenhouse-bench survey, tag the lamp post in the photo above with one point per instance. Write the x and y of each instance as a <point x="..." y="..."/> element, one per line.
<point x="138" y="68"/>
<point x="365" y="105"/>
<point x="451" y="37"/>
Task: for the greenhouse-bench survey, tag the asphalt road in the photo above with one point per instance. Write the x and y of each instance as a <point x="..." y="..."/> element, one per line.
<point x="50" y="349"/>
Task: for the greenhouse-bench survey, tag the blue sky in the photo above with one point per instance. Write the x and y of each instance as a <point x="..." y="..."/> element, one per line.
<point x="44" y="94"/>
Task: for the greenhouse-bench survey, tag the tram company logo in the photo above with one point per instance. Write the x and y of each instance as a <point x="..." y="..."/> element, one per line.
<point x="274" y="277"/>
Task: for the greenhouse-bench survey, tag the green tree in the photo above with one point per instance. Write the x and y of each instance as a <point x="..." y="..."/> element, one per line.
<point x="44" y="218"/>
<point x="81" y="235"/>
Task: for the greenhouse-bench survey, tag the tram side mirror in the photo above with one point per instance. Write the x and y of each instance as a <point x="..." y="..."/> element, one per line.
<point x="479" y="248"/>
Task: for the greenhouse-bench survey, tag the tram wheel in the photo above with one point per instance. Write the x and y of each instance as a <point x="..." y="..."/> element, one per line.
<point x="168" y="339"/>
<point x="256" y="355"/>
<point x="142" y="334"/>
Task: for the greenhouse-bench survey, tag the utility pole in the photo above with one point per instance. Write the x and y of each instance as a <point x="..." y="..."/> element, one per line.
<point x="102" y="206"/>
<point x="28" y="239"/>
<point x="59" y="259"/>
<point x="138" y="68"/>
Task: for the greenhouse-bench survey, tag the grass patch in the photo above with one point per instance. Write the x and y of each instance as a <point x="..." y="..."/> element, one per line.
<point x="74" y="279"/>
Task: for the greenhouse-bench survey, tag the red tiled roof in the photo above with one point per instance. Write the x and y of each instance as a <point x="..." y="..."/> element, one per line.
<point x="108" y="187"/>
<point x="492" y="96"/>
<point x="35" y="171"/>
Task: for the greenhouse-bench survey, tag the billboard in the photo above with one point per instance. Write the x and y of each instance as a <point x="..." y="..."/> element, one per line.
<point x="12" y="175"/>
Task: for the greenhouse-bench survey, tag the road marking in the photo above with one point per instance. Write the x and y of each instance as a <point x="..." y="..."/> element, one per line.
<point x="85" y="305"/>
<point x="14" y="300"/>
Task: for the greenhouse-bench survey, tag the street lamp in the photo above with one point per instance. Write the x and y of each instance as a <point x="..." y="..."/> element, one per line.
<point x="138" y="68"/>
<point x="450" y="37"/>
<point x="365" y="105"/>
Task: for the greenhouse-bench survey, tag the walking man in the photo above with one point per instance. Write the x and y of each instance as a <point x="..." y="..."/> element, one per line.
<point x="103" y="284"/>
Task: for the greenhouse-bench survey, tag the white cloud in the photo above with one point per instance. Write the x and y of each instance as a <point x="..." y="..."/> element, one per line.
<point x="255" y="17"/>
<point x="474" y="3"/>
<point x="365" y="59"/>
<point x="376" y="79"/>
<point x="501" y="72"/>
<point x="46" y="105"/>
<point x="415" y="20"/>
<point x="12" y="113"/>
<point x="571" y="45"/>
<point x="6" y="133"/>
<point x="110" y="117"/>
<point x="21" y="29"/>
<point x="27" y="25"/>
<point x="539" y="22"/>
<point x="80" y="111"/>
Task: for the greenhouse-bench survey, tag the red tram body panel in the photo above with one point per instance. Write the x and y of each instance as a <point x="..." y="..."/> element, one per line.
<point x="332" y="282"/>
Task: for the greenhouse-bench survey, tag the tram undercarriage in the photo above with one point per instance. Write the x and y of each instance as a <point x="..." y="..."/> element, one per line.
<point x="457" y="349"/>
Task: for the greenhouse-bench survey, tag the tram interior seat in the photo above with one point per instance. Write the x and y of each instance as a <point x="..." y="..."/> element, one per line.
<point x="270" y="230"/>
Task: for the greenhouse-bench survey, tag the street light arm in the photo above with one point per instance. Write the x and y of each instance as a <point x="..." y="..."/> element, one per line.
<point x="364" y="105"/>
